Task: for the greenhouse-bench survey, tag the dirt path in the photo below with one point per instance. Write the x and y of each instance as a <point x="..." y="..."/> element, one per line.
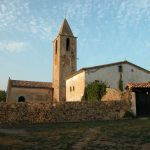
<point x="89" y="136"/>
<point x="146" y="146"/>
<point x="14" y="131"/>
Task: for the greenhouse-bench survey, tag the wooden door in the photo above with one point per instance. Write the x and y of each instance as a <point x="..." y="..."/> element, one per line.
<point x="143" y="103"/>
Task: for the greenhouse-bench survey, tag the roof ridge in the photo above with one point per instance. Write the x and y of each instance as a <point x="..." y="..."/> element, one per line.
<point x="115" y="63"/>
<point x="30" y="81"/>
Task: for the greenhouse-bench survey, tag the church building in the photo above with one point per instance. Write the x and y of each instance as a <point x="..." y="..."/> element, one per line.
<point x="64" y="64"/>
<point x="68" y="84"/>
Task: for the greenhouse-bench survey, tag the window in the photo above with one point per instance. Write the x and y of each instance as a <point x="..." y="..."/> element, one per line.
<point x="70" y="89"/>
<point x="21" y="99"/>
<point x="120" y="68"/>
<point x="73" y="88"/>
<point x="56" y="47"/>
<point x="132" y="70"/>
<point x="67" y="44"/>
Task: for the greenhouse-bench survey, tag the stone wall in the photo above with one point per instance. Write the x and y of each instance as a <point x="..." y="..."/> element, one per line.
<point x="67" y="112"/>
<point x="112" y="94"/>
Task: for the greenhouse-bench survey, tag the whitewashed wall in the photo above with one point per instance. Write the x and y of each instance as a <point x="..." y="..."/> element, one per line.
<point x="78" y="82"/>
<point x="111" y="75"/>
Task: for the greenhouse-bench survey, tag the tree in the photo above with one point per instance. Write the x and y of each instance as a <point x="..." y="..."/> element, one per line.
<point x="2" y="96"/>
<point x="94" y="91"/>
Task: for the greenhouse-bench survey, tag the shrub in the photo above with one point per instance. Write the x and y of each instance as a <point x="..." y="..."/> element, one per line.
<point x="2" y="96"/>
<point x="129" y="114"/>
<point x="94" y="91"/>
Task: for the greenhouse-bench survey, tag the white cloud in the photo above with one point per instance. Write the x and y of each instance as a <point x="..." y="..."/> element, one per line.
<point x="13" y="47"/>
<point x="133" y="12"/>
<point x="17" y="15"/>
<point x="22" y="16"/>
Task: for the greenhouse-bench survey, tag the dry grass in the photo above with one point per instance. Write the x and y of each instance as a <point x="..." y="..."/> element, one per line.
<point x="104" y="135"/>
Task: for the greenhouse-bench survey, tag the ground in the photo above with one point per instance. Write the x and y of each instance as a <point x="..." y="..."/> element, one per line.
<point x="104" y="135"/>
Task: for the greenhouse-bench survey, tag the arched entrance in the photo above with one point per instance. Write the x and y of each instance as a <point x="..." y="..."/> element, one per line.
<point x="21" y="99"/>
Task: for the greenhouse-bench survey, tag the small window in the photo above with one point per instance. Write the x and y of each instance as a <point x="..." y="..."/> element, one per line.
<point x="70" y="89"/>
<point x="21" y="99"/>
<point x="67" y="44"/>
<point x="73" y="88"/>
<point x="120" y="68"/>
<point x="56" y="47"/>
<point x="132" y="70"/>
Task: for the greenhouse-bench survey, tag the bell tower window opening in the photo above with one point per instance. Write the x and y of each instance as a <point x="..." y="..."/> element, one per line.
<point x="56" y="47"/>
<point x="67" y="44"/>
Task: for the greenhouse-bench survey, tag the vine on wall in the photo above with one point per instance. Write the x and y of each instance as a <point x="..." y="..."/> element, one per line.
<point x="94" y="91"/>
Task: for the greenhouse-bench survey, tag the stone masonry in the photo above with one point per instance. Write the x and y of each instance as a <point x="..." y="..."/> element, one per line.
<point x="64" y="63"/>
<point x="67" y="112"/>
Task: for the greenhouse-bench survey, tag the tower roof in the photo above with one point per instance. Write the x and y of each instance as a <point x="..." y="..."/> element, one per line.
<point x="65" y="28"/>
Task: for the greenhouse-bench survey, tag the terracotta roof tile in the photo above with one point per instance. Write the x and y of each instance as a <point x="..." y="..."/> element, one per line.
<point x="138" y="85"/>
<point x="31" y="84"/>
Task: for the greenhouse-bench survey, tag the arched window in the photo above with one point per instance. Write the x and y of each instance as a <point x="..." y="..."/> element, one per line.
<point x="70" y="89"/>
<point x="56" y="47"/>
<point x="67" y="44"/>
<point x="21" y="99"/>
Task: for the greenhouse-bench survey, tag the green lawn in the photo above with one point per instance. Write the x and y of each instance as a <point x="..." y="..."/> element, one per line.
<point x="104" y="135"/>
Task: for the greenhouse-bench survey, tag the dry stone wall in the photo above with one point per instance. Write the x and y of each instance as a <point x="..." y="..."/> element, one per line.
<point x="67" y="112"/>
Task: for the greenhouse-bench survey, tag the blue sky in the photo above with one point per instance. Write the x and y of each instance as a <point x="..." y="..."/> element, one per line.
<point x="107" y="30"/>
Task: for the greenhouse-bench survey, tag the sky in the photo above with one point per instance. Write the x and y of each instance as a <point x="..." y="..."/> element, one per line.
<point x="108" y="31"/>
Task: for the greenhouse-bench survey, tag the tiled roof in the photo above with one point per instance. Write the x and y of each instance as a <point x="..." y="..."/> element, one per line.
<point x="138" y="85"/>
<point x="30" y="84"/>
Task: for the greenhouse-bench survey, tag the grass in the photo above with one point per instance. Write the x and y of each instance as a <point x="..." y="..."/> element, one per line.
<point x="107" y="135"/>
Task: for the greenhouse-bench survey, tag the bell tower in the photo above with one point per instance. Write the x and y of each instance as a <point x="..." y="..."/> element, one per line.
<point x="64" y="60"/>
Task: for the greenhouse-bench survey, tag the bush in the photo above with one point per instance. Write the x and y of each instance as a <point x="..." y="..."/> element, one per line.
<point x="129" y="114"/>
<point x="2" y="96"/>
<point x="94" y="91"/>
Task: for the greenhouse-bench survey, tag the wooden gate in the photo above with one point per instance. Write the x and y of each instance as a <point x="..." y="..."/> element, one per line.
<point x="143" y="103"/>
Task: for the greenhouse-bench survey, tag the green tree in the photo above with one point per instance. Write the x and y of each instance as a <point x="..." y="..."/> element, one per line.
<point x="2" y="96"/>
<point x="94" y="91"/>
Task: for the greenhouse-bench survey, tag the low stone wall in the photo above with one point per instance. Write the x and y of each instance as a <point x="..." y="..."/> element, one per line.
<point x="67" y="112"/>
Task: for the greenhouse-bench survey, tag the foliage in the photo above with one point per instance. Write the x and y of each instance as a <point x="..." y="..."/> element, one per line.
<point x="120" y="83"/>
<point x="129" y="114"/>
<point x="94" y="91"/>
<point x="2" y="96"/>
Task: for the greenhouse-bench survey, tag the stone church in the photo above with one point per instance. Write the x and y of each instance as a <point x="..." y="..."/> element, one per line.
<point x="68" y="83"/>
<point x="64" y="64"/>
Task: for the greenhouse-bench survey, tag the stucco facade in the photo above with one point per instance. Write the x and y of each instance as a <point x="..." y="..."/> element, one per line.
<point x="29" y="91"/>
<point x="110" y="74"/>
<point x="30" y="95"/>
<point x="75" y="87"/>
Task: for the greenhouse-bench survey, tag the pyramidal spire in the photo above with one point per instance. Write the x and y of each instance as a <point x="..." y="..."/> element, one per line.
<point x="65" y="28"/>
